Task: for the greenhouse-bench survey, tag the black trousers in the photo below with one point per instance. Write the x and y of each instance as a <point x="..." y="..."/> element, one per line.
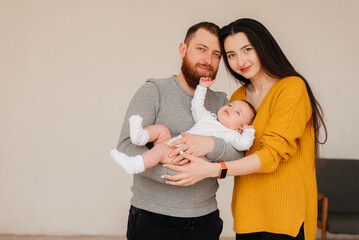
<point x="270" y="236"/>
<point x="147" y="225"/>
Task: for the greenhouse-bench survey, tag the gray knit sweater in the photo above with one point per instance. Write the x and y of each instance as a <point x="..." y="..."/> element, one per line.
<point x="164" y="101"/>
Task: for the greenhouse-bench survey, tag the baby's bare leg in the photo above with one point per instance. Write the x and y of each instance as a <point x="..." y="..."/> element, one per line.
<point x="141" y="136"/>
<point x="159" y="153"/>
<point x="139" y="163"/>
<point x="158" y="134"/>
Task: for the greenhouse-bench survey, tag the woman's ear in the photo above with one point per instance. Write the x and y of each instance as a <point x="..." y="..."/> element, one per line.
<point x="182" y="50"/>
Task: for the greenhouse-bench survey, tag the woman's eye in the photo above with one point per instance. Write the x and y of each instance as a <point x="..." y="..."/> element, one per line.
<point x="247" y="50"/>
<point x="237" y="112"/>
<point x="230" y="55"/>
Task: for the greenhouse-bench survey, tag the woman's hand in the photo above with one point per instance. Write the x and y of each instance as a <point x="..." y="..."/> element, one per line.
<point x="192" y="172"/>
<point x="191" y="143"/>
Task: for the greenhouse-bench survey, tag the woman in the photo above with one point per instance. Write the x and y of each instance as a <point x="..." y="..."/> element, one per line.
<point x="276" y="195"/>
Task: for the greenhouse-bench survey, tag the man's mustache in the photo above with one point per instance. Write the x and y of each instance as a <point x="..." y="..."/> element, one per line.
<point x="205" y="66"/>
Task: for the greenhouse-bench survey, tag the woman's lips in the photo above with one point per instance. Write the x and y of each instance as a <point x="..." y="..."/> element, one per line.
<point x="246" y="69"/>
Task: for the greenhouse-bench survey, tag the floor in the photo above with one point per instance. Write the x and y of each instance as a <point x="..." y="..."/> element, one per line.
<point x="12" y="237"/>
<point x="17" y="237"/>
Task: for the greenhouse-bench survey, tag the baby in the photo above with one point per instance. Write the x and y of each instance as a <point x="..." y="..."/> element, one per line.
<point x="232" y="123"/>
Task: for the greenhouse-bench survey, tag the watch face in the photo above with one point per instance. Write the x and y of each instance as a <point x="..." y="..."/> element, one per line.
<point x="223" y="173"/>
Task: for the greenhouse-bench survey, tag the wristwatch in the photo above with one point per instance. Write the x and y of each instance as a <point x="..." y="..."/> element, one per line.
<point x="222" y="170"/>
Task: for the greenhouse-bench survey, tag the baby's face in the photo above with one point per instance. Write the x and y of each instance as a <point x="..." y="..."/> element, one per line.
<point x="235" y="115"/>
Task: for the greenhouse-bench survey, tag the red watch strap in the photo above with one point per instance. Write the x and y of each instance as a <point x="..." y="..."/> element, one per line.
<point x="222" y="171"/>
<point x="223" y="165"/>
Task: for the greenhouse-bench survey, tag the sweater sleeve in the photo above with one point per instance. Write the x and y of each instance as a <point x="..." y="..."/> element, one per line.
<point x="145" y="103"/>
<point x="290" y="113"/>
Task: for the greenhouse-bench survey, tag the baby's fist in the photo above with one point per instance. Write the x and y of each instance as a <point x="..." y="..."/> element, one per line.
<point x="248" y="127"/>
<point x="206" y="82"/>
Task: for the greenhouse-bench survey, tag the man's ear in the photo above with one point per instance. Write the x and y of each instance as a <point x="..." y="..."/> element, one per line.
<point x="182" y="50"/>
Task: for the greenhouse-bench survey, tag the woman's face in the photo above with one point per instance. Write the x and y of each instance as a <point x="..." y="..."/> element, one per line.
<point x="242" y="57"/>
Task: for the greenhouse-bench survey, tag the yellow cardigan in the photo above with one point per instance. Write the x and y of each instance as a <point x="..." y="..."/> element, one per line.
<point x="283" y="193"/>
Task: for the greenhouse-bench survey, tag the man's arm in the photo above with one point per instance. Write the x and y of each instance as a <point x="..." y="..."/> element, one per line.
<point x="145" y="103"/>
<point x="223" y="151"/>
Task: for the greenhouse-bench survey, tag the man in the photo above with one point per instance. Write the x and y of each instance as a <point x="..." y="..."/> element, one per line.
<point x="160" y="211"/>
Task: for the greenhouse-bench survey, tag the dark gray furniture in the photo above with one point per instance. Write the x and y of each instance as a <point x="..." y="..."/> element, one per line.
<point x="338" y="196"/>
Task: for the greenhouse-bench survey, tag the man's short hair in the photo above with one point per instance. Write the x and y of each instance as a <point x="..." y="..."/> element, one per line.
<point x="210" y="27"/>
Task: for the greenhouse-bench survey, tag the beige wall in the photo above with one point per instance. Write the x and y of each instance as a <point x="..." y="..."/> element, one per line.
<point x="69" y="68"/>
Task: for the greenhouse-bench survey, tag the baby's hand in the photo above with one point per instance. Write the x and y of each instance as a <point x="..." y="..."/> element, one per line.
<point x="248" y="127"/>
<point x="206" y="82"/>
<point x="179" y="160"/>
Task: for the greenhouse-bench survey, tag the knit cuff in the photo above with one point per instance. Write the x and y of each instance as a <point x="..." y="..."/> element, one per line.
<point x="267" y="160"/>
<point x="217" y="151"/>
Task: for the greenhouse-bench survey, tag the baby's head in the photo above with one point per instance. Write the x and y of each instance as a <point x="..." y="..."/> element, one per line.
<point x="236" y="114"/>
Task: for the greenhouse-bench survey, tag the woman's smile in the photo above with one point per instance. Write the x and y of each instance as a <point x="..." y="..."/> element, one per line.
<point x="246" y="69"/>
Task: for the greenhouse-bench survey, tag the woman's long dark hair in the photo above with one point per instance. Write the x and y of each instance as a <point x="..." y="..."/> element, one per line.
<point x="273" y="62"/>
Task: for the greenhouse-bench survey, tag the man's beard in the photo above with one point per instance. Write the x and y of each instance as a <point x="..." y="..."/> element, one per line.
<point x="191" y="74"/>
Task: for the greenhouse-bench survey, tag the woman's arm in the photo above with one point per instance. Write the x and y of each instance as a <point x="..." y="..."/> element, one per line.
<point x="290" y="115"/>
<point x="199" y="169"/>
